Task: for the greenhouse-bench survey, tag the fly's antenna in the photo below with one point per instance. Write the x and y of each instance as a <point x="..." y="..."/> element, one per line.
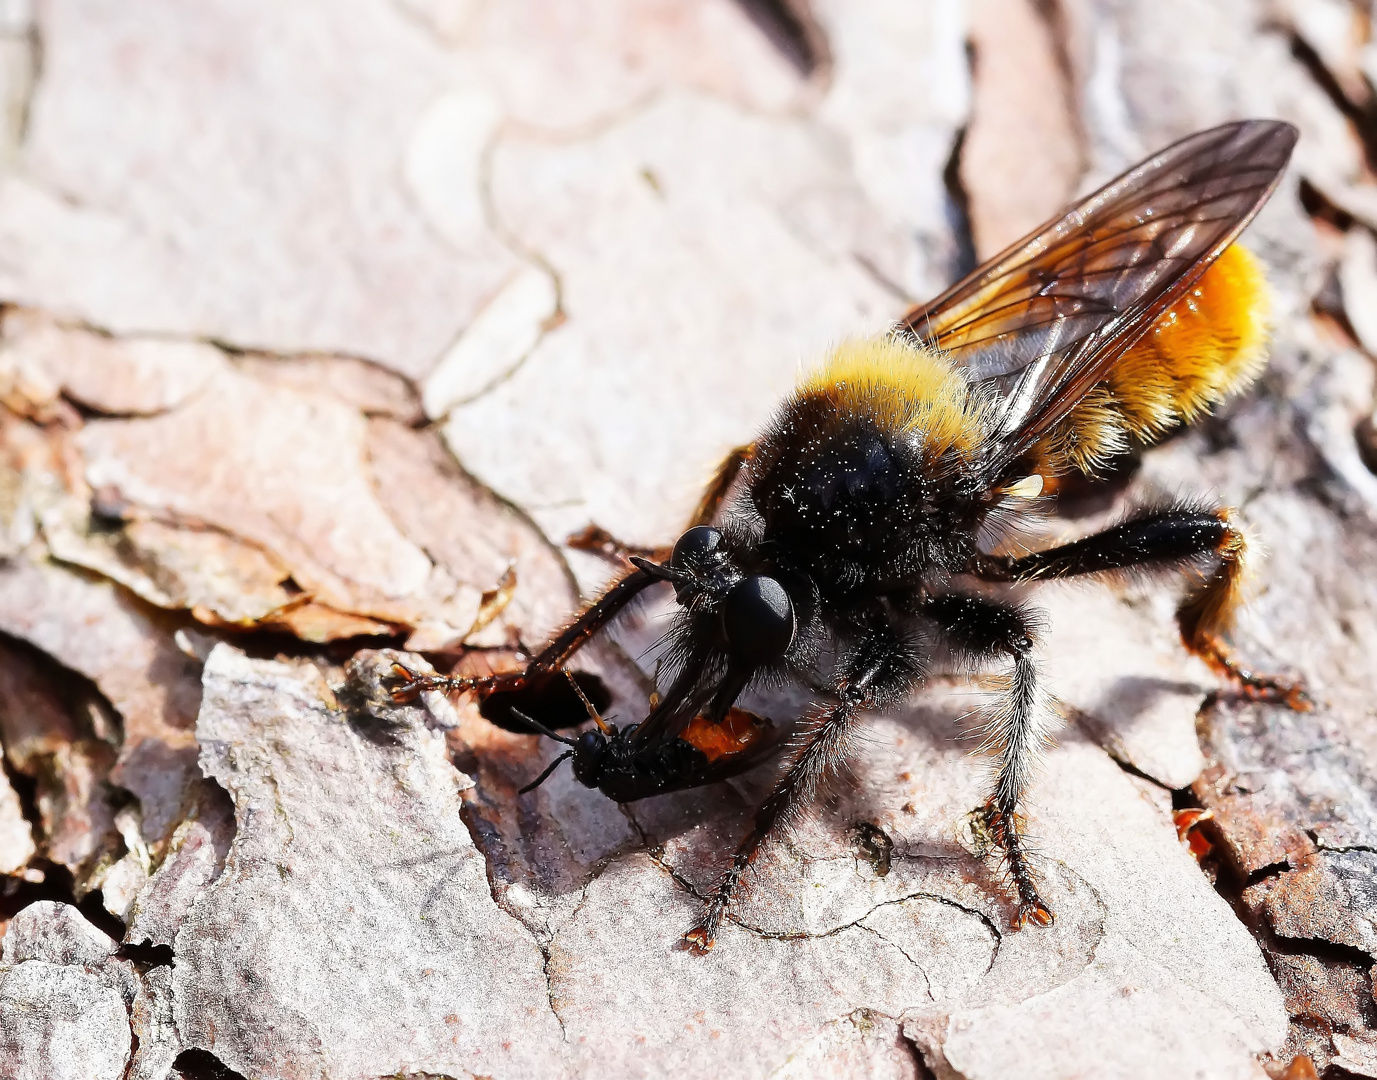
<point x="587" y="705"/>
<point x="546" y="774"/>
<point x="539" y="728"/>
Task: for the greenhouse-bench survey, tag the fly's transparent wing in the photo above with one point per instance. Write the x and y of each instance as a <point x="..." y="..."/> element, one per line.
<point x="1045" y="320"/>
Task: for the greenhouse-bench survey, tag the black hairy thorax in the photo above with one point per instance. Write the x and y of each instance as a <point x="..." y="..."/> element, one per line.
<point x="857" y="506"/>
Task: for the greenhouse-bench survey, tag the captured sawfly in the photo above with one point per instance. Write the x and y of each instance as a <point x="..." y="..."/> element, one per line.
<point x="849" y="536"/>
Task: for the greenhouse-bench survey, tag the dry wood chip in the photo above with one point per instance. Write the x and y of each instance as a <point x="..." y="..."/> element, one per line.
<point x="132" y="375"/>
<point x="349" y="832"/>
<point x="94" y="628"/>
<point x="276" y="218"/>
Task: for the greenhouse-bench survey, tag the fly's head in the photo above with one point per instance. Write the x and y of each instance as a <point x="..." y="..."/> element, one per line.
<point x="735" y="621"/>
<point x="751" y="616"/>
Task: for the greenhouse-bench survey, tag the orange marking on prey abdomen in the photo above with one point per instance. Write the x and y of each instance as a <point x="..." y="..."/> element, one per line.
<point x="738" y="732"/>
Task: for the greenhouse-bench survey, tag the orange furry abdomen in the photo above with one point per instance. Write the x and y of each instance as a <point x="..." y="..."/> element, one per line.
<point x="1209" y="344"/>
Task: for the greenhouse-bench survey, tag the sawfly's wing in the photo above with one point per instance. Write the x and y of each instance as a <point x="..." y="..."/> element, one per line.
<point x="1045" y="320"/>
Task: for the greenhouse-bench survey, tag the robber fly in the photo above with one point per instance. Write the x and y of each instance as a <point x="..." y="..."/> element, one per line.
<point x="849" y="535"/>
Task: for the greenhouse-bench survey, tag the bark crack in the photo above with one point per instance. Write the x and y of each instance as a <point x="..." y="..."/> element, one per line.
<point x="771" y="935"/>
<point x="545" y="951"/>
<point x="927" y="979"/>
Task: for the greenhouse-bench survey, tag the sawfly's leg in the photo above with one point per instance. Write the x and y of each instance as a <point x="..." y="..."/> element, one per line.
<point x="881" y="668"/>
<point x="1015" y="729"/>
<point x="1179" y="536"/>
<point x="547" y="662"/>
<point x="596" y="540"/>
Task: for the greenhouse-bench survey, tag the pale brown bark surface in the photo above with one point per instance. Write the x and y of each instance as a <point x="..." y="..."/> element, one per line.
<point x="325" y="324"/>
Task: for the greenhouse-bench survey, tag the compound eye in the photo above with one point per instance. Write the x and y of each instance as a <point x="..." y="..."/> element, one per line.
<point x="758" y="618"/>
<point x="700" y="546"/>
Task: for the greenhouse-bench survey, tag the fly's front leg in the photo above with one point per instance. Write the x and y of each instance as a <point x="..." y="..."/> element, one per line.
<point x="596" y="540"/>
<point x="721" y="484"/>
<point x="1015" y="730"/>
<point x="820" y="757"/>
<point x="1179" y="536"/>
<point x="882" y="668"/>
<point x="547" y="662"/>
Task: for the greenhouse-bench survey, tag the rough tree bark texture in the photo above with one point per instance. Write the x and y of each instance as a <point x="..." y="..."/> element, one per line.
<point x="326" y="323"/>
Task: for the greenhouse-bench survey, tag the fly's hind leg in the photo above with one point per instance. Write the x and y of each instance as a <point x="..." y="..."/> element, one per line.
<point x="1015" y="730"/>
<point x="1208" y="611"/>
<point x="880" y="669"/>
<point x="1179" y="536"/>
<point x="598" y="541"/>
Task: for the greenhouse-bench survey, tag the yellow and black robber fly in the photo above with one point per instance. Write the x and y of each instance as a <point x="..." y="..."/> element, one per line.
<point x="841" y="537"/>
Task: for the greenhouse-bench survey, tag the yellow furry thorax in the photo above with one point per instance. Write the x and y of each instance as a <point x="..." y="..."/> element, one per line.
<point x="905" y="388"/>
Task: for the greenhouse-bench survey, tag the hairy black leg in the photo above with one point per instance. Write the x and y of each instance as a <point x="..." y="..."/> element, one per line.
<point x="979" y="630"/>
<point x="1152" y="538"/>
<point x="882" y="667"/>
<point x="1179" y="536"/>
<point x="598" y="541"/>
<point x="549" y="660"/>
